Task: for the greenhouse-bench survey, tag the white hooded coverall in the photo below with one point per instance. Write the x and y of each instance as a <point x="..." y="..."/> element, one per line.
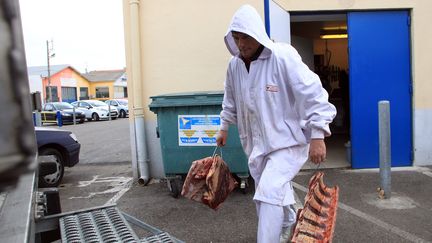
<point x="278" y="107"/>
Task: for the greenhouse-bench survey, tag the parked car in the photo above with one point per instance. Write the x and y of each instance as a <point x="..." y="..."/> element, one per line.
<point x="95" y="109"/>
<point x="121" y="105"/>
<point x="63" y="145"/>
<point x="49" y="113"/>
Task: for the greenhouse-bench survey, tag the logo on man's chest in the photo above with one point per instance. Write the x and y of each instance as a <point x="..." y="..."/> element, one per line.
<point x="272" y="88"/>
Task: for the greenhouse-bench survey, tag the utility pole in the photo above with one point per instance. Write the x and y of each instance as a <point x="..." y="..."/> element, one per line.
<point x="49" y="55"/>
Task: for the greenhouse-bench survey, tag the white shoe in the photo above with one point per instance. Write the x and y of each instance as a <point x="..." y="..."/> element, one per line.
<point x="286" y="234"/>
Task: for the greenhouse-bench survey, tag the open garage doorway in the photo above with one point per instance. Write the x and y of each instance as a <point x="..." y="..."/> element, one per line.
<point x="362" y="57"/>
<point x="321" y="40"/>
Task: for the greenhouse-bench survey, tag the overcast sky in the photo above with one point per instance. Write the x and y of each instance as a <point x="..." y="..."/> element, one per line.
<point x="87" y="34"/>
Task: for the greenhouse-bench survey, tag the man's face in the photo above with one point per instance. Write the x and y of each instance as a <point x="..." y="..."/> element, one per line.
<point x="247" y="45"/>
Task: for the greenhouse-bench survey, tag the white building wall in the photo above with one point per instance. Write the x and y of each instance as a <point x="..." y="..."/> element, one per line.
<point x="35" y="85"/>
<point x="119" y="86"/>
<point x="118" y="92"/>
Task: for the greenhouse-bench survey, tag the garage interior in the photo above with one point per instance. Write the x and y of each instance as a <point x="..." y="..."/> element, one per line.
<point x="321" y="40"/>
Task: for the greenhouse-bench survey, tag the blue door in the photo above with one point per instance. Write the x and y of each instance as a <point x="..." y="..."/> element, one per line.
<point x="379" y="61"/>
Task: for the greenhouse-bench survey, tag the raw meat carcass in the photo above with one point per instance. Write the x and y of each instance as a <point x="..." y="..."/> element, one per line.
<point x="209" y="181"/>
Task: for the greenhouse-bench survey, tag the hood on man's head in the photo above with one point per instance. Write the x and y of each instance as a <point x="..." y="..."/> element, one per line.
<point x="246" y="20"/>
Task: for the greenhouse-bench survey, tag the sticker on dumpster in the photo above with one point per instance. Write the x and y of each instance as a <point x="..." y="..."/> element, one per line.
<point x="198" y="130"/>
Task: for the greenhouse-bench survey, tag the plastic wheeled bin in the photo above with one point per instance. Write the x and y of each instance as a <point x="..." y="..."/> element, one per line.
<point x="187" y="125"/>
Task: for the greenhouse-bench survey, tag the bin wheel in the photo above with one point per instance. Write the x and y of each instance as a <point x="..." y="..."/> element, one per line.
<point x="243" y="185"/>
<point x="243" y="190"/>
<point x="175" y="186"/>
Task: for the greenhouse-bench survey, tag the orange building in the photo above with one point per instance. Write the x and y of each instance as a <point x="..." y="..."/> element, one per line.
<point x="64" y="84"/>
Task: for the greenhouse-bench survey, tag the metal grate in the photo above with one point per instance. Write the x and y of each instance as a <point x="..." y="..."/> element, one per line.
<point x="159" y="238"/>
<point x="102" y="225"/>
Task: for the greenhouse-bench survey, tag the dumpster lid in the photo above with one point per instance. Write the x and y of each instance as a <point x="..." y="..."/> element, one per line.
<point x="187" y="99"/>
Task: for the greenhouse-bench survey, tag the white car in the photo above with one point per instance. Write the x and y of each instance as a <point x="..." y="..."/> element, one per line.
<point x="121" y="105"/>
<point x="95" y="109"/>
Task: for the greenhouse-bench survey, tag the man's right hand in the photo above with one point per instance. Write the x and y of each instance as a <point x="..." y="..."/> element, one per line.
<point x="221" y="138"/>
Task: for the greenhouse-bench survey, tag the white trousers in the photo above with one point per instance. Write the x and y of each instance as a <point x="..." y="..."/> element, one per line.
<point x="274" y="194"/>
<point x="273" y="173"/>
<point x="271" y="219"/>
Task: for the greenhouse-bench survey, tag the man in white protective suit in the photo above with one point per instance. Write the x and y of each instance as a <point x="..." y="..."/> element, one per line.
<point x="282" y="114"/>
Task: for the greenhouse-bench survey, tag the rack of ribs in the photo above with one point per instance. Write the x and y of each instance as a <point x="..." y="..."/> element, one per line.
<point x="316" y="221"/>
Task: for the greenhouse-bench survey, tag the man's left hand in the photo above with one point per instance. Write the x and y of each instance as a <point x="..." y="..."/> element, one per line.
<point x="317" y="151"/>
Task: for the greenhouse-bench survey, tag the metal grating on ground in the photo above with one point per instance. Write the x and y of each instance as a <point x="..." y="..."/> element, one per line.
<point x="159" y="238"/>
<point x="101" y="225"/>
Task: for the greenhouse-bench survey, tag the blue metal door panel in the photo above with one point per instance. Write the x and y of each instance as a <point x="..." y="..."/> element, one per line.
<point x="379" y="61"/>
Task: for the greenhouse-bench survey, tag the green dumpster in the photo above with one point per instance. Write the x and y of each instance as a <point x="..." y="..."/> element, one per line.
<point x="187" y="125"/>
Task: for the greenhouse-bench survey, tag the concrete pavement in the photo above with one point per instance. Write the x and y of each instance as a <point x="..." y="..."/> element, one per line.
<point x="361" y="216"/>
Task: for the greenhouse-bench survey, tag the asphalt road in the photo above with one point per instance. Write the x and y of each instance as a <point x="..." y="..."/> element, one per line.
<point x="104" y="176"/>
<point x="103" y="141"/>
<point x="361" y="216"/>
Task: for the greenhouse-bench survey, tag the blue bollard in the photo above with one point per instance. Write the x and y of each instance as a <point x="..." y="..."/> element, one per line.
<point x="59" y="119"/>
